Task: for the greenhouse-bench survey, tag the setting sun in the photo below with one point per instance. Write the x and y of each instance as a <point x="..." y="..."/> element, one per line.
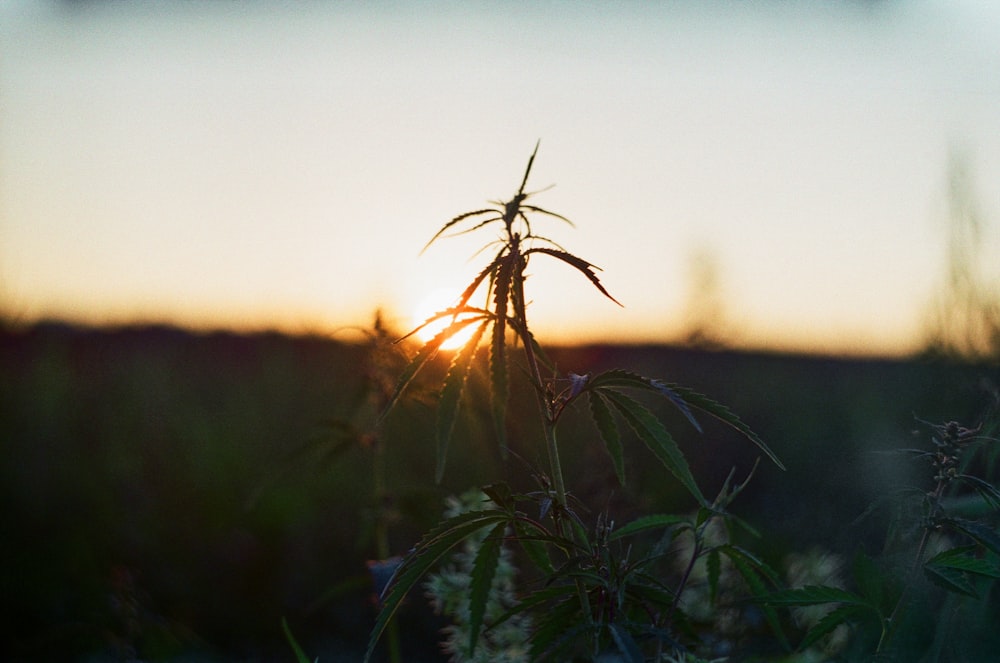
<point x="437" y="300"/>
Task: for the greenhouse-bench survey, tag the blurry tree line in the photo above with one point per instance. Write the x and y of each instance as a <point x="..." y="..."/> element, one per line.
<point x="964" y="314"/>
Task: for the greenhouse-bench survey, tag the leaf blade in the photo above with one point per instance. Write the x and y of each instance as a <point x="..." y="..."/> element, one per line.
<point x="600" y="412"/>
<point x="451" y="396"/>
<point x="656" y="438"/>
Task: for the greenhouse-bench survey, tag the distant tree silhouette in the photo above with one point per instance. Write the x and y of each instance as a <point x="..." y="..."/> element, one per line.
<point x="965" y="317"/>
<point x="704" y="312"/>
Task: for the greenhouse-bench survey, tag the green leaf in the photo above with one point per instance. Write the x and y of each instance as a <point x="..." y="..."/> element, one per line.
<point x="960" y="559"/>
<point x="537" y="599"/>
<point x="501" y="496"/>
<point x="481" y="581"/>
<point x="630" y="380"/>
<point x="714" y="567"/>
<point x="556" y="626"/>
<point x="451" y="396"/>
<point x="723" y="414"/>
<point x="986" y="490"/>
<point x="626" y="645"/>
<point x="951" y="580"/>
<point x="427" y="553"/>
<point x="813" y="595"/>
<point x="754" y="571"/>
<point x="653" y="521"/>
<point x="843" y="614"/>
<point x="534" y="548"/>
<point x="977" y="531"/>
<point x="300" y="655"/>
<point x="656" y="438"/>
<point x="870" y="580"/>
<point x="609" y="432"/>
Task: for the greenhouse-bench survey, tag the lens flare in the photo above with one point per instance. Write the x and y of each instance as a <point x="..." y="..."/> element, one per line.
<point x="435" y="301"/>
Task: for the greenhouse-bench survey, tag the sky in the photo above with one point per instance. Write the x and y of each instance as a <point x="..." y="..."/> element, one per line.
<point x="280" y="165"/>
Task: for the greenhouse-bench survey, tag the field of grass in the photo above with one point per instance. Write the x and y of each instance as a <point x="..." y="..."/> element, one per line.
<point x="168" y="494"/>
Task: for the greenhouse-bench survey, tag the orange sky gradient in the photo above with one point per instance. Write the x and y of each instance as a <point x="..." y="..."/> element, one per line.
<point x="257" y="165"/>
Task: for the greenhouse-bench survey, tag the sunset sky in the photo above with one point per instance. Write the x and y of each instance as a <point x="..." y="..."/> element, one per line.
<point x="280" y="165"/>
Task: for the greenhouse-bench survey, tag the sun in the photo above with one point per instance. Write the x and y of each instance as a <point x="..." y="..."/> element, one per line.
<point x="437" y="300"/>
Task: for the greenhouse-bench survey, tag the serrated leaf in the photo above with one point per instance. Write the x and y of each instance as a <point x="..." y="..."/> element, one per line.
<point x="725" y="415"/>
<point x="656" y="438"/>
<point x="870" y="581"/>
<point x="426" y="352"/>
<point x="557" y="624"/>
<point x="481" y="581"/>
<point x="435" y="544"/>
<point x="605" y="423"/>
<point x="828" y="623"/>
<point x="619" y="378"/>
<point x="539" y="210"/>
<point x="535" y="600"/>
<point x="501" y="496"/>
<point x="983" y="534"/>
<point x="586" y="268"/>
<point x="813" y="595"/>
<point x="451" y="396"/>
<point x="498" y="350"/>
<point x="986" y="490"/>
<point x="458" y="219"/>
<point x="754" y="571"/>
<point x="535" y="549"/>
<point x="960" y="560"/>
<point x="950" y="579"/>
<point x="652" y="521"/>
<point x="626" y="644"/>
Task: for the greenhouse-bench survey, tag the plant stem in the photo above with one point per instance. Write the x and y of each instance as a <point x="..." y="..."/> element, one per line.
<point x="381" y="495"/>
<point x="890" y="624"/>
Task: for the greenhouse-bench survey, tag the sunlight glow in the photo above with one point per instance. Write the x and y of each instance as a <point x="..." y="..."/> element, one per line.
<point x="437" y="300"/>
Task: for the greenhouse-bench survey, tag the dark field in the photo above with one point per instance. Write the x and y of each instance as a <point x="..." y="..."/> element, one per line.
<point x="174" y="496"/>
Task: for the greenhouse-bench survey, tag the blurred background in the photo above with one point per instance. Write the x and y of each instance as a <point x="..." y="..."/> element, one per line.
<point x="274" y="165"/>
<point x="211" y="218"/>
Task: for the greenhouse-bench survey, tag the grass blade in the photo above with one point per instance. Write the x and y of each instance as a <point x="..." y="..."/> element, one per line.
<point x="300" y="655"/>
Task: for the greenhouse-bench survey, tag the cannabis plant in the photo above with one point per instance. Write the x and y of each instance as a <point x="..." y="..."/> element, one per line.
<point x="928" y="591"/>
<point x="448" y="591"/>
<point x="593" y="594"/>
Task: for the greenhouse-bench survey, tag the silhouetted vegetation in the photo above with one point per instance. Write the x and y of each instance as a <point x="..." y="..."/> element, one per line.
<point x="132" y="458"/>
<point x="179" y="496"/>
